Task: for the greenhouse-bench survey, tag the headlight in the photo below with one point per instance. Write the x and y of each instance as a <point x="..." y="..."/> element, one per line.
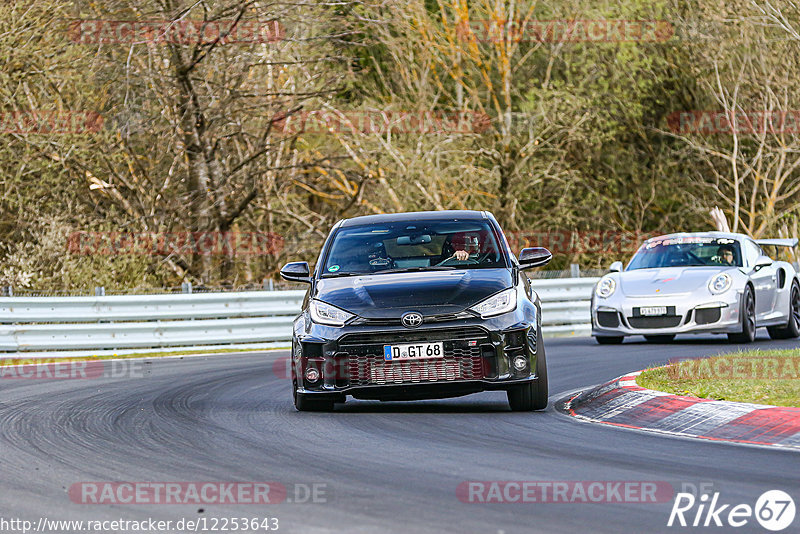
<point x="503" y="302"/>
<point x="326" y="314"/>
<point x="606" y="287"/>
<point x="720" y="284"/>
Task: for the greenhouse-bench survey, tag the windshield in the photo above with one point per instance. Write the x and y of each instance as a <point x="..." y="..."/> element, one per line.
<point x="687" y="252"/>
<point x="413" y="246"/>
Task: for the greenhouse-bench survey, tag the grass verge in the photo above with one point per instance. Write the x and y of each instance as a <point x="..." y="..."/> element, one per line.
<point x="761" y="377"/>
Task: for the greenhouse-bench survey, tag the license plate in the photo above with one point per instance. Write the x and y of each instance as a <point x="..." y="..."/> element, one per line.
<point x="413" y="351"/>
<point x="653" y="310"/>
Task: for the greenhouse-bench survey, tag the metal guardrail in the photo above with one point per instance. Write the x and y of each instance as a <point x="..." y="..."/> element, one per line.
<point x="71" y="326"/>
<point x="565" y="305"/>
<point x="51" y="326"/>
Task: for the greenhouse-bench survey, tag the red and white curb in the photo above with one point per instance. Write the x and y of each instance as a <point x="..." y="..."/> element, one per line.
<point x="622" y="403"/>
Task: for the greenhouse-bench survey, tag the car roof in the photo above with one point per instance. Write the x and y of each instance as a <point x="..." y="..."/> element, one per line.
<point x="444" y="215"/>
<point x="728" y="235"/>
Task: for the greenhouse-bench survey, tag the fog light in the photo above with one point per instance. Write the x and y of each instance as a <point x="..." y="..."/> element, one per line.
<point x="520" y="362"/>
<point x="312" y="374"/>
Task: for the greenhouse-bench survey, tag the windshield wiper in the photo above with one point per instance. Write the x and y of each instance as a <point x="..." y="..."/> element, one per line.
<point x="396" y="270"/>
<point x="341" y="274"/>
<point x="417" y="269"/>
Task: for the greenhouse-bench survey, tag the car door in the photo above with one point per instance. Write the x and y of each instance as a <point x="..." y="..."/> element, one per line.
<point x="765" y="279"/>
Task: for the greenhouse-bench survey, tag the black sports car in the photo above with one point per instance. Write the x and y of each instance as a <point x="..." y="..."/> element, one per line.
<point x="418" y="306"/>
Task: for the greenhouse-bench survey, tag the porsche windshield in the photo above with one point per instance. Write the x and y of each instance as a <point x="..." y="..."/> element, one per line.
<point x="413" y="246"/>
<point x="687" y="252"/>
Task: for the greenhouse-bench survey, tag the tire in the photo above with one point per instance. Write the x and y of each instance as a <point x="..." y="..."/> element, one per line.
<point x="792" y="328"/>
<point x="748" y="313"/>
<point x="663" y="338"/>
<point x="609" y="340"/>
<point x="531" y="396"/>
<point x="307" y="403"/>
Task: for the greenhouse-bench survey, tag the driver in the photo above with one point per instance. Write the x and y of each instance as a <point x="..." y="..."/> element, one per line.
<point x="726" y="255"/>
<point x="460" y="247"/>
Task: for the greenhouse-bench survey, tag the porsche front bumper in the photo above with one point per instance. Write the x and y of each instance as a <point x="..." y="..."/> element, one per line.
<point x="621" y="315"/>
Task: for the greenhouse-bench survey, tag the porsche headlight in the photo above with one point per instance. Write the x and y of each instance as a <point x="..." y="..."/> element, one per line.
<point x="503" y="302"/>
<point x="606" y="287"/>
<point x="322" y="313"/>
<point x="720" y="283"/>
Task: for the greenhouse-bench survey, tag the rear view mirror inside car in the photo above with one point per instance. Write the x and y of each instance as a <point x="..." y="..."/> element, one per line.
<point x="414" y="239"/>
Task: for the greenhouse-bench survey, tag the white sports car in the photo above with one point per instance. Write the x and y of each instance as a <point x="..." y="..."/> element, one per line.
<point x="709" y="282"/>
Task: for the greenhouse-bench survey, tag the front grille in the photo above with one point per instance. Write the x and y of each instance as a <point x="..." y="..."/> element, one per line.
<point x="608" y="319"/>
<point x="457" y="364"/>
<point x="662" y="321"/>
<point x="363" y="321"/>
<point x="410" y="336"/>
<point x="462" y="356"/>
<point x="707" y="315"/>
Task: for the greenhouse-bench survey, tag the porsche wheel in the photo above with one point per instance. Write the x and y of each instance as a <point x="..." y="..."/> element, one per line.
<point x="792" y="328"/>
<point x="748" y="313"/>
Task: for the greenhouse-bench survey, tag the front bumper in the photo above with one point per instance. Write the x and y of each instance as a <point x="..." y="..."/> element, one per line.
<point x="478" y="356"/>
<point x="686" y="314"/>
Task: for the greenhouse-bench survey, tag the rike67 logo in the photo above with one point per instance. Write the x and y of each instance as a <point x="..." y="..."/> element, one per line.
<point x="774" y="510"/>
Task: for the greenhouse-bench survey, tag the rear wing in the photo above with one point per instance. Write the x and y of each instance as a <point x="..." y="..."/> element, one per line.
<point x="790" y="242"/>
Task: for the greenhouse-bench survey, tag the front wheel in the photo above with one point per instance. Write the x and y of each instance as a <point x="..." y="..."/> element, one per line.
<point x="308" y="403"/>
<point x="792" y="328"/>
<point x="748" y="313"/>
<point x="531" y="396"/>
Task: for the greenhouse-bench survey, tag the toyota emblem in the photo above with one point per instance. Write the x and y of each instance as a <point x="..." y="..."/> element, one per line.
<point x="411" y="319"/>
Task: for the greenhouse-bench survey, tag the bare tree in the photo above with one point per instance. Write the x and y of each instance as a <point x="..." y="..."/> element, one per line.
<point x="195" y="145"/>
<point x="748" y="137"/>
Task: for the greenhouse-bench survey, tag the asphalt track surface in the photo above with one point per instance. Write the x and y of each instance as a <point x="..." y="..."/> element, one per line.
<point x="386" y="467"/>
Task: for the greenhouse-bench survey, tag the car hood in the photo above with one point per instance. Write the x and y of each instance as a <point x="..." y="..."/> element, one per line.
<point x="666" y="281"/>
<point x="390" y="295"/>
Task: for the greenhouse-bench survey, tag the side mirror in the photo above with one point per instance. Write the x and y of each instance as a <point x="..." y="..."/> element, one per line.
<point x="296" y="271"/>
<point x="616" y="267"/>
<point x="534" y="257"/>
<point x="762" y="261"/>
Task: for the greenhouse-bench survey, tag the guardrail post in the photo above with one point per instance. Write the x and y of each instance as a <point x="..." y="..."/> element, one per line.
<point x="575" y="270"/>
<point x="268" y="284"/>
<point x="186" y="287"/>
<point x="100" y="291"/>
<point x="8" y="291"/>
